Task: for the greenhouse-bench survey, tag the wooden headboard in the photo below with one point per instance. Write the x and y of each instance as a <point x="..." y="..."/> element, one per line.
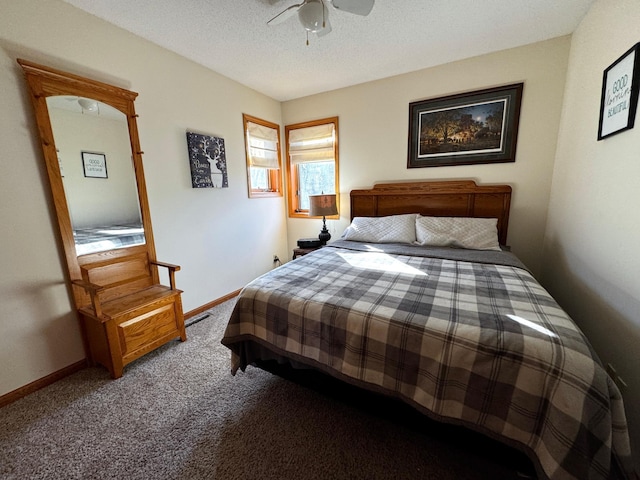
<point x="456" y="198"/>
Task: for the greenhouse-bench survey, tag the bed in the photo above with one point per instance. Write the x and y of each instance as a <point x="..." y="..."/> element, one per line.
<point x="464" y="335"/>
<point x="108" y="237"/>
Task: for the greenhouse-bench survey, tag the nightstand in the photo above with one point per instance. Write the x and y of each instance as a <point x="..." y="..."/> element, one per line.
<point x="299" y="252"/>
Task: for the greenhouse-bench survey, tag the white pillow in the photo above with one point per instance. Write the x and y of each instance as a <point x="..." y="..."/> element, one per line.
<point x="461" y="232"/>
<point x="390" y="229"/>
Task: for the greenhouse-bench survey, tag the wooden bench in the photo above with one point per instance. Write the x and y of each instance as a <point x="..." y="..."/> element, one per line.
<point x="129" y="313"/>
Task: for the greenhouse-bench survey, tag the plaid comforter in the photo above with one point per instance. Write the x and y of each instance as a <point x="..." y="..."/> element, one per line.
<point x="465" y="337"/>
<point x="96" y="239"/>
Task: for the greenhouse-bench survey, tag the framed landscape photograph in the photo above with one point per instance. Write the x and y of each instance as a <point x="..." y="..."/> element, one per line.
<point x="464" y="129"/>
<point x="619" y="99"/>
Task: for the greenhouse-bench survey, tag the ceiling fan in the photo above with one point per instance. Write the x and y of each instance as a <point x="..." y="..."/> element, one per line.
<point x="314" y="15"/>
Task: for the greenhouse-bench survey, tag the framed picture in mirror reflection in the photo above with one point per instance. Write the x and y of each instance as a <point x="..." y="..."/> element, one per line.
<point x="94" y="164"/>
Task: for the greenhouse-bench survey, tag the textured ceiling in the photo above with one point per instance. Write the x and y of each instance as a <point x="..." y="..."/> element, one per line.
<point x="232" y="37"/>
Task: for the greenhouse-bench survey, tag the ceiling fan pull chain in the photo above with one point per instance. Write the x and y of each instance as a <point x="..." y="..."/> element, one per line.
<point x="324" y="25"/>
<point x="307" y="38"/>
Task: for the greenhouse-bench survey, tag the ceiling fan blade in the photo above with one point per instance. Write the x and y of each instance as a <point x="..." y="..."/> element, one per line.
<point x="359" y="7"/>
<point x="285" y="14"/>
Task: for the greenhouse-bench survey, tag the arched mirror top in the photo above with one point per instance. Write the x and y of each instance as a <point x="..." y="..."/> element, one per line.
<point x="56" y="94"/>
<point x="86" y="106"/>
<point x="46" y="82"/>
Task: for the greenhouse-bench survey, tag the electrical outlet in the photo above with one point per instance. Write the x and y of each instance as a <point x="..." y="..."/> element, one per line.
<point x="622" y="385"/>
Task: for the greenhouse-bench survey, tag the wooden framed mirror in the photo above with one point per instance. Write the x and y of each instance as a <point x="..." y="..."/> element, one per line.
<point x="53" y="94"/>
<point x="91" y="148"/>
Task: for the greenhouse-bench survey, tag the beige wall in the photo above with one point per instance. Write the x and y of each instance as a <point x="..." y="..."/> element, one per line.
<point x="220" y="237"/>
<point x="591" y="261"/>
<point x="374" y="124"/>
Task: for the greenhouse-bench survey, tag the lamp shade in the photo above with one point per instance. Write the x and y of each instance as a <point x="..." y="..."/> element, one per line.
<point x="322" y="205"/>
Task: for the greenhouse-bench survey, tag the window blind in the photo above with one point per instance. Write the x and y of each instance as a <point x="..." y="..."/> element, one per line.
<point x="312" y="144"/>
<point x="263" y="146"/>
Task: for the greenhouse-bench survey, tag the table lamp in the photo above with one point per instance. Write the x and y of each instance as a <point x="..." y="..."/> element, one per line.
<point x="321" y="206"/>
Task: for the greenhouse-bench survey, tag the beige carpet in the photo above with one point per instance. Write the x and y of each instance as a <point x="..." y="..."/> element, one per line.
<point x="177" y="413"/>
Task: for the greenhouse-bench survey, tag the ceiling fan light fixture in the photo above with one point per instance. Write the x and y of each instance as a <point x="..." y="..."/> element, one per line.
<point x="312" y="15"/>
<point x="88" y="104"/>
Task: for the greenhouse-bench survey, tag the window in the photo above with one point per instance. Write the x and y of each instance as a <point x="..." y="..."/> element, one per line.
<point x="262" y="144"/>
<point x="312" y="161"/>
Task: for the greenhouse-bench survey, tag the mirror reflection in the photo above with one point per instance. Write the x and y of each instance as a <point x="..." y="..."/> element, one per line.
<point x="94" y="155"/>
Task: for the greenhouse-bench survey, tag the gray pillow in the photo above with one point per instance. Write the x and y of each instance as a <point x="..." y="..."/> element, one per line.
<point x="461" y="232"/>
<point x="389" y="229"/>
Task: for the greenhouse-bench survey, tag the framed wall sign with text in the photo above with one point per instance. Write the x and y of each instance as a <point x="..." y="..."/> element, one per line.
<point x="208" y="161"/>
<point x="619" y="99"/>
<point x="94" y="164"/>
